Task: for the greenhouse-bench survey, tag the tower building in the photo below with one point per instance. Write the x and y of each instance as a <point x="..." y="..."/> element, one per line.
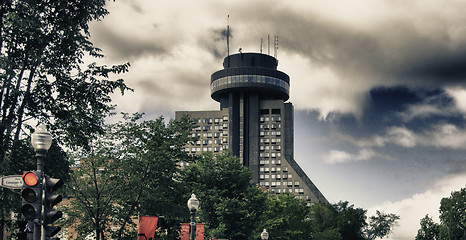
<point x="255" y="122"/>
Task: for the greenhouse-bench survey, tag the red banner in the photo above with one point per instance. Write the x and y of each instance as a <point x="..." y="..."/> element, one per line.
<point x="200" y="231"/>
<point x="146" y="228"/>
<point x="185" y="231"/>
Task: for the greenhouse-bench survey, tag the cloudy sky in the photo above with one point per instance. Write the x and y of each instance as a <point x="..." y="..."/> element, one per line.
<point x="378" y="86"/>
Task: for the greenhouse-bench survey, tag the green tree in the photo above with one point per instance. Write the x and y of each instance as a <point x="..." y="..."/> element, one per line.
<point x="344" y="221"/>
<point x="133" y="171"/>
<point x="452" y="219"/>
<point x="94" y="189"/>
<point x="43" y="78"/>
<point x="453" y="216"/>
<point x="285" y="218"/>
<point x="231" y="205"/>
<point x="429" y="229"/>
<point x="349" y="221"/>
<point x="380" y="225"/>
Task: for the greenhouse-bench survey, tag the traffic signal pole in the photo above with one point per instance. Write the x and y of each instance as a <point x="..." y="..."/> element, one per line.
<point x="39" y="226"/>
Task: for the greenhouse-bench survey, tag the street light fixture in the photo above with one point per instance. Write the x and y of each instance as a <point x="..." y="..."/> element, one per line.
<point x="41" y="141"/>
<point x="193" y="205"/>
<point x="264" y="235"/>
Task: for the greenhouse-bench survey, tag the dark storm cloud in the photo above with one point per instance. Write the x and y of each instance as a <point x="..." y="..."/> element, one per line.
<point x="445" y="66"/>
<point x="215" y="42"/>
<point x="390" y="52"/>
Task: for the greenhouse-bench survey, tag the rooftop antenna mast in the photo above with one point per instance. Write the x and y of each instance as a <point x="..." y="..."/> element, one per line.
<point x="268" y="44"/>
<point x="261" y="45"/>
<point x="228" y="39"/>
<point x="275" y="46"/>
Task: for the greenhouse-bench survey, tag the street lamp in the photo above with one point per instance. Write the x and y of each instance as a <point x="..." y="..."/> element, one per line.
<point x="193" y="205"/>
<point x="41" y="141"/>
<point x="264" y="235"/>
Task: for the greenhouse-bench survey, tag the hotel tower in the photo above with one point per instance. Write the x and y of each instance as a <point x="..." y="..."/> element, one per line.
<point x="255" y="122"/>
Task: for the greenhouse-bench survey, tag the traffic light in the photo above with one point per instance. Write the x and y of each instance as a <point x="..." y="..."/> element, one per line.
<point x="50" y="200"/>
<point x="31" y="193"/>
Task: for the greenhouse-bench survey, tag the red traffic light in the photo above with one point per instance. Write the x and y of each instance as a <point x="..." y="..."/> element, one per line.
<point x="30" y="178"/>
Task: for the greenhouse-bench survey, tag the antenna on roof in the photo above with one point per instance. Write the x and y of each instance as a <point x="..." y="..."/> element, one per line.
<point x="228" y="39"/>
<point x="275" y="46"/>
<point x="261" y="45"/>
<point x="268" y="44"/>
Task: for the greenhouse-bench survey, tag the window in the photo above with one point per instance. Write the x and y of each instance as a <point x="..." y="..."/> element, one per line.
<point x="264" y="111"/>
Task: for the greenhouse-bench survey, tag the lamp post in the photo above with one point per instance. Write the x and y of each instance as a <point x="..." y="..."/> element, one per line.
<point x="193" y="205"/>
<point x="264" y="235"/>
<point x="41" y="141"/>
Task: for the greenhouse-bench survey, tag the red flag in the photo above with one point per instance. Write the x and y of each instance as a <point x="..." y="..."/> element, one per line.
<point x="200" y="231"/>
<point x="185" y="231"/>
<point x="147" y="226"/>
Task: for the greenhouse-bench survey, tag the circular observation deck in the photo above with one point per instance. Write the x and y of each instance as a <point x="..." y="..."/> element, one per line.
<point x="250" y="72"/>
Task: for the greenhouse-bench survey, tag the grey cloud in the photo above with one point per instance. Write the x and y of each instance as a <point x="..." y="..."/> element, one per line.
<point x="128" y="46"/>
<point x="392" y="52"/>
<point x="214" y="41"/>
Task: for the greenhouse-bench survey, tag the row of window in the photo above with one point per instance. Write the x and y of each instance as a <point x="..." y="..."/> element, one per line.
<point x="285" y="190"/>
<point x="270" y="133"/>
<point x="270" y="126"/>
<point x="270" y="147"/>
<point x="275" y="176"/>
<point x="272" y="161"/>
<point x="210" y="141"/>
<point x="213" y="120"/>
<point x="270" y="140"/>
<point x="278" y="183"/>
<point x="273" y="169"/>
<point x="205" y="149"/>
<point x="209" y="127"/>
<point x="235" y="80"/>
<point x="270" y="154"/>
<point x="268" y="119"/>
<point x="210" y="134"/>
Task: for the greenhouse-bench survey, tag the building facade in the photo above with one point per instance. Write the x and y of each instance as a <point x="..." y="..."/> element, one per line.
<point x="255" y="122"/>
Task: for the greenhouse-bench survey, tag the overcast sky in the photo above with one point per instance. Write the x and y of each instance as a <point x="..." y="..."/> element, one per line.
<point x="378" y="86"/>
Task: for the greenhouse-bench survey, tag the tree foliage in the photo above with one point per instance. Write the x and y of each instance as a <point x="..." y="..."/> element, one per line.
<point x="43" y="78"/>
<point x="452" y="219"/>
<point x="230" y="205"/>
<point x="453" y="216"/>
<point x="234" y="208"/>
<point x="285" y="217"/>
<point x="429" y="229"/>
<point x="132" y="171"/>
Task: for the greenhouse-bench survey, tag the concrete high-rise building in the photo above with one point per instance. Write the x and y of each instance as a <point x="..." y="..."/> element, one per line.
<point x="255" y="122"/>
